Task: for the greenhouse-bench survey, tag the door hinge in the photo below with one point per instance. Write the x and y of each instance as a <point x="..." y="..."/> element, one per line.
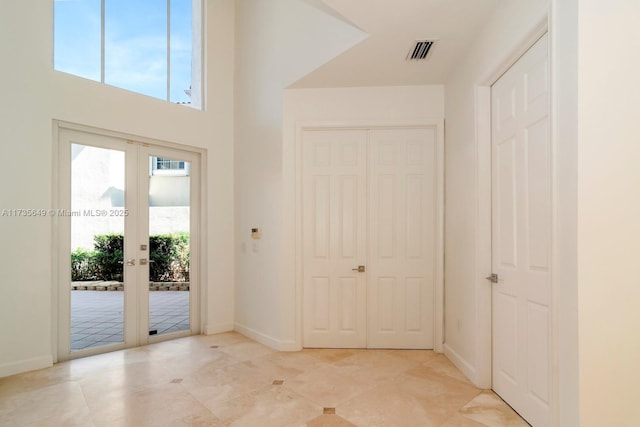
<point x="493" y="278"/>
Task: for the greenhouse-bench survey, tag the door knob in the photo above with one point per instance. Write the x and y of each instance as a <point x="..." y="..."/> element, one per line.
<point x="360" y="269"/>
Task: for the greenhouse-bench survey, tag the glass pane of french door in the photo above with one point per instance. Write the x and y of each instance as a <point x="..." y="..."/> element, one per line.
<point x="97" y="219"/>
<point x="169" y="244"/>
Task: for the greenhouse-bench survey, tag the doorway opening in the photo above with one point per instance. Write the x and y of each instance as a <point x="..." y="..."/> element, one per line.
<point x="127" y="222"/>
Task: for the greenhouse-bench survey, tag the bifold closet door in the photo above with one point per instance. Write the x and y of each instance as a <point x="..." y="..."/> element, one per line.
<point x="369" y="218"/>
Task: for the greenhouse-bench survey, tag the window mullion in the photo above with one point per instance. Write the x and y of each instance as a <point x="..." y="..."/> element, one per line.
<point x="169" y="50"/>
<point x="102" y="43"/>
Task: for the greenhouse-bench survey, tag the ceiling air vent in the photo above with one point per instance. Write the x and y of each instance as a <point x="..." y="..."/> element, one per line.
<point x="420" y="50"/>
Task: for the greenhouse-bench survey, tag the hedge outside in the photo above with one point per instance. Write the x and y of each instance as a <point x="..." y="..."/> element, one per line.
<point x="168" y="255"/>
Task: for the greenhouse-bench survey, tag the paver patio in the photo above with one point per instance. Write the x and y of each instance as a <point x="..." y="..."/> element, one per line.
<point x="97" y="316"/>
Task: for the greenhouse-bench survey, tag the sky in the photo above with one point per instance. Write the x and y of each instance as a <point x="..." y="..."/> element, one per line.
<point x="135" y="44"/>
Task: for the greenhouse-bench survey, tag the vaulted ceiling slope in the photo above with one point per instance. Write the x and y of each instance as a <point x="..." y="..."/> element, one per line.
<point x="393" y="26"/>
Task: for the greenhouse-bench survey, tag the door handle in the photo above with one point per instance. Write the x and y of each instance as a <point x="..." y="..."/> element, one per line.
<point x="360" y="269"/>
<point x="131" y="261"/>
<point x="493" y="278"/>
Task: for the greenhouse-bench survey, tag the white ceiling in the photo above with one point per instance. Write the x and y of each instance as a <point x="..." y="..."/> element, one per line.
<point x="393" y="26"/>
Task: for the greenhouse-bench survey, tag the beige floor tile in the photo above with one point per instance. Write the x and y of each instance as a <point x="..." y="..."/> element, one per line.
<point x="213" y="385"/>
<point x="242" y="351"/>
<point x="418" y="356"/>
<point x="228" y="380"/>
<point x="461" y="421"/>
<point x="329" y="421"/>
<point x="487" y="408"/>
<point x="330" y="354"/>
<point x="440" y="363"/>
<point x="187" y="366"/>
<point x="226" y="338"/>
<point x="408" y="401"/>
<point x="375" y="366"/>
<point x="167" y="405"/>
<point x="329" y="385"/>
<point x="30" y="381"/>
<point x="195" y="348"/>
<point x="53" y="405"/>
<point x="284" y="365"/>
<point x="272" y="406"/>
<point x="114" y="384"/>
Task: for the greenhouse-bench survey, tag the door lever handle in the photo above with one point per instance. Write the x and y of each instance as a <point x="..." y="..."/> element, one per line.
<point x="360" y="269"/>
<point x="493" y="278"/>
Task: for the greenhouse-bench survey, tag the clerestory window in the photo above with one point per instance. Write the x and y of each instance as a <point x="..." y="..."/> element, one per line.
<point x="150" y="47"/>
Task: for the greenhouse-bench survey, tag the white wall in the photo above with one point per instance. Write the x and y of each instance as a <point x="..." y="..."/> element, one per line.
<point x="468" y="204"/>
<point x="274" y="48"/>
<point x="564" y="129"/>
<point x="609" y="211"/>
<point x="363" y="106"/>
<point x="34" y="95"/>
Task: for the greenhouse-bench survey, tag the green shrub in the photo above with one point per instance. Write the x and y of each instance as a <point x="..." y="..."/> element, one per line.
<point x="109" y="256"/>
<point x="169" y="254"/>
<point x="83" y="265"/>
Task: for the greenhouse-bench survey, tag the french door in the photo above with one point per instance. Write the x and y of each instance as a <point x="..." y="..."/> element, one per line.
<point x="370" y="214"/>
<point x="127" y="224"/>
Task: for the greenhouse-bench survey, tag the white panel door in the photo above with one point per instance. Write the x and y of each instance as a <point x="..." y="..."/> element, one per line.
<point x="521" y="219"/>
<point x="402" y="232"/>
<point x="334" y="236"/>
<point x="369" y="199"/>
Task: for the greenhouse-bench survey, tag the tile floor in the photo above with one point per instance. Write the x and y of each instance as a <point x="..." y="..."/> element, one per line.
<point x="96" y="316"/>
<point x="230" y="380"/>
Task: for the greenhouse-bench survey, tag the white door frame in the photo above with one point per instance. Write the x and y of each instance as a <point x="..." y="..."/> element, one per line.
<point x="59" y="263"/>
<point x="483" y="374"/>
<point x="430" y="123"/>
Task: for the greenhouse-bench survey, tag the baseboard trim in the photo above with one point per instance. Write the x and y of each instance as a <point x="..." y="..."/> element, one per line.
<point x="27" y="365"/>
<point x="218" y="328"/>
<point x="266" y="339"/>
<point x="464" y="366"/>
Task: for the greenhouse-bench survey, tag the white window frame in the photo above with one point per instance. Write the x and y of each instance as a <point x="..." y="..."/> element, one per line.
<point x="197" y="53"/>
